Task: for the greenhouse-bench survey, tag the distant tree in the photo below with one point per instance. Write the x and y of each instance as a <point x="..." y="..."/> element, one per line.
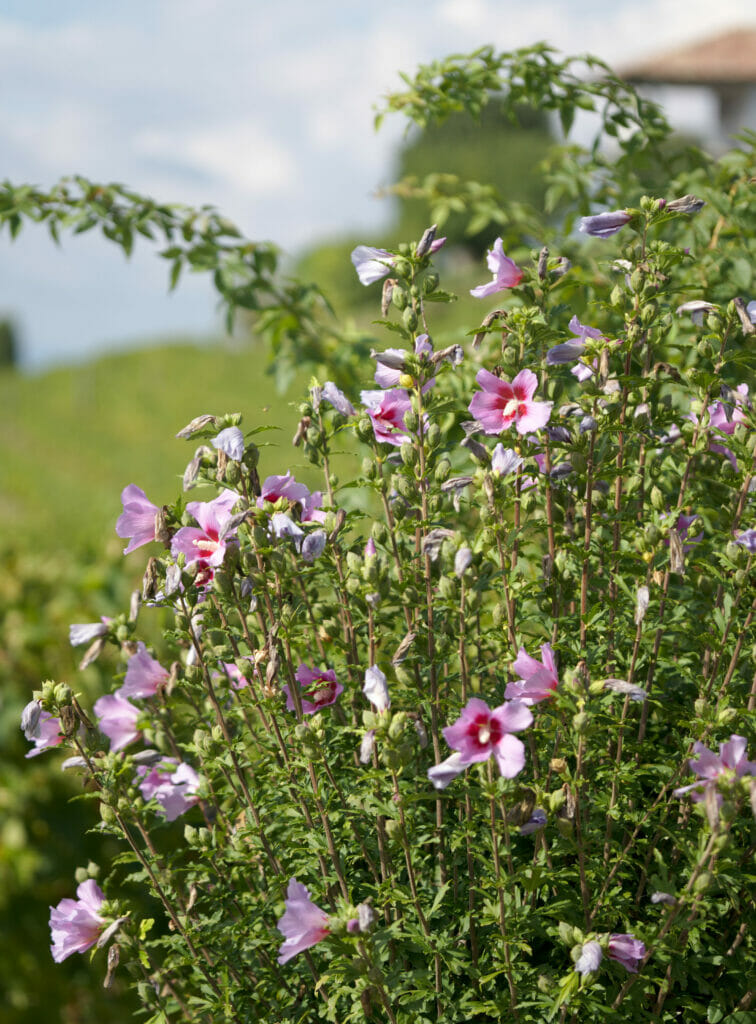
<point x="493" y="151"/>
<point x="8" y="344"/>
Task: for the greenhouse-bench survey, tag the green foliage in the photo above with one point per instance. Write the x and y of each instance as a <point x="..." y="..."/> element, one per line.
<point x="44" y="835"/>
<point x="458" y="903"/>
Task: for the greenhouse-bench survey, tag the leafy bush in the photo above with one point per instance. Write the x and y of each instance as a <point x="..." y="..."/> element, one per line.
<point x="465" y="737"/>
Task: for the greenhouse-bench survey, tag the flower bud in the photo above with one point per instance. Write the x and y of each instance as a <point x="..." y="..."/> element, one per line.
<point x="556" y="800"/>
<point x="399" y="296"/>
<point x="393" y="828"/>
<point x="726" y="716"/>
<point x="408" y="453"/>
<point x="568" y="934"/>
<point x="364" y="428"/>
<point x="409" y="316"/>
<point x="442" y="471"/>
<point x="398" y="722"/>
<point x="703" y="881"/>
<point x="430" y="283"/>
<point x="107" y="814"/>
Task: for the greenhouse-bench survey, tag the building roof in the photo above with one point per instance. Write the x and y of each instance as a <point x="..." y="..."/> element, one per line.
<point x="726" y="59"/>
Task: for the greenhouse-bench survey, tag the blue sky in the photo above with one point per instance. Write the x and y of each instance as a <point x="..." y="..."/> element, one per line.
<point x="261" y="108"/>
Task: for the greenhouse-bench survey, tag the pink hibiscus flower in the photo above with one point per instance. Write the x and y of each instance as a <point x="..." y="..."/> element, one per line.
<point x="724" y="417"/>
<point x="303" y="923"/>
<point x="117" y="718"/>
<point x="41" y="728"/>
<point x="506" y="273"/>
<point x="203" y="544"/>
<point x="172" y="783"/>
<point x="480" y="733"/>
<point x="626" y="950"/>
<point x="501" y="404"/>
<point x="137" y="521"/>
<point x="144" y="675"/>
<point x="277" y="487"/>
<point x="387" y="410"/>
<point x="732" y="762"/>
<point x="538" y="680"/>
<point x="319" y="688"/>
<point x="75" y="925"/>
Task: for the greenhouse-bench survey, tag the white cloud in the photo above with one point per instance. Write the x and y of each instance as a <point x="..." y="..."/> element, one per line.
<point x="239" y="154"/>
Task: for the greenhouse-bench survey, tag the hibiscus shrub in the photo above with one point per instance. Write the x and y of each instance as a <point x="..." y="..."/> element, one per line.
<point x="464" y="738"/>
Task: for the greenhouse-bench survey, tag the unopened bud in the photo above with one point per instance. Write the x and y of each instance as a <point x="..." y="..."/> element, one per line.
<point x="409" y="316"/>
<point x="425" y="243"/>
<point x="430" y="283"/>
<point x="408" y="453"/>
<point x="580" y="722"/>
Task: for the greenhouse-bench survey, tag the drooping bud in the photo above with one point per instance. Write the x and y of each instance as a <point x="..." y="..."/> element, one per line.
<point x="630" y="690"/>
<point x="742" y="310"/>
<point x="388" y="288"/>
<point x="402" y="650"/>
<point x="192" y="470"/>
<point x="375" y="689"/>
<point x="302" y="428"/>
<point x="114" y="956"/>
<point x="477" y="450"/>
<point x="433" y="541"/>
<point x="366" y="746"/>
<point x="497" y="314"/>
<point x="676" y="554"/>
<point x="685" y="204"/>
<point x="543" y="260"/>
<point x="462" y="561"/>
<point x="641" y="604"/>
<point x="339" y="522"/>
<point x="197" y="424"/>
<point x="92" y="653"/>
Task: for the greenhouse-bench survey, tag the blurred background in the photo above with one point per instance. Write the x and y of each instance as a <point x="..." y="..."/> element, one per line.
<point x="264" y="111"/>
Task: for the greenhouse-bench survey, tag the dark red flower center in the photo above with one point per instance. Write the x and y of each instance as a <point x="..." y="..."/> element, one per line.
<point x="484" y="731"/>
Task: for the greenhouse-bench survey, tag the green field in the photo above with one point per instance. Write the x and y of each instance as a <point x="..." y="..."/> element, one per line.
<point x="71" y="439"/>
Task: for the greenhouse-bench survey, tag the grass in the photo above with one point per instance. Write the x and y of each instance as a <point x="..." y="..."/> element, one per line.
<point x="71" y="439"/>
